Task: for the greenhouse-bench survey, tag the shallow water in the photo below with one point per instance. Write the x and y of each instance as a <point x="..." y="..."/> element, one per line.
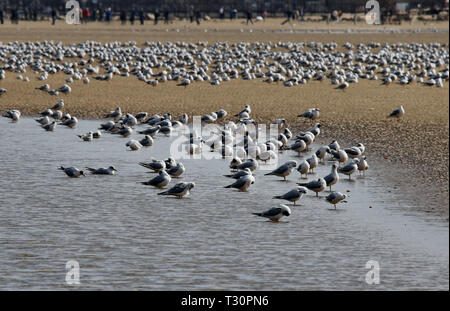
<point x="124" y="236"/>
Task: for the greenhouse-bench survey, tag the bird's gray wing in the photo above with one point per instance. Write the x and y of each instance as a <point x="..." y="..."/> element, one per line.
<point x="272" y="212"/>
<point x="290" y="195"/>
<point x="178" y="188"/>
<point x="280" y="170"/>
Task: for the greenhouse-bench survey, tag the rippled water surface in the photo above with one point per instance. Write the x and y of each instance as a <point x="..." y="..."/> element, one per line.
<point x="124" y="236"/>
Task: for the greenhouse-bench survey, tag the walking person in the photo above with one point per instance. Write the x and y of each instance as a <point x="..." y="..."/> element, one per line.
<point x="198" y="15"/>
<point x="289" y="16"/>
<point x="221" y="13"/>
<point x="53" y="16"/>
<point x="1" y="16"/>
<point x="166" y="16"/>
<point x="123" y="17"/>
<point x="132" y="17"/>
<point x="156" y="17"/>
<point x="141" y="16"/>
<point x="249" y="17"/>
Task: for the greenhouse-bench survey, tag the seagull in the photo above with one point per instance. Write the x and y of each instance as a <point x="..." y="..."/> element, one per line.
<point x="239" y="174"/>
<point x="235" y="162"/>
<point x="115" y="114"/>
<point x="72" y="171"/>
<point x="160" y="181"/>
<point x="59" y="105"/>
<point x="293" y="195"/>
<point x="340" y="156"/>
<point x="284" y="170"/>
<point x="179" y="190"/>
<point x="87" y="137"/>
<point x="102" y="171"/>
<point x="155" y="165"/>
<point x="44" y="87"/>
<point x="72" y="122"/>
<point x="342" y="86"/>
<point x="49" y="127"/>
<point x="14" y="115"/>
<point x="397" y="113"/>
<point x="303" y="168"/>
<point x="275" y="213"/>
<point x="298" y="146"/>
<point x="242" y="183"/>
<point x="335" y="197"/>
<point x="134" y="145"/>
<point x="252" y="164"/>
<point x="353" y="152"/>
<point x="43" y="121"/>
<point x="177" y="170"/>
<point x="311" y="114"/>
<point x="266" y="156"/>
<point x="147" y="141"/>
<point x="3" y="91"/>
<point x="221" y="113"/>
<point x="313" y="161"/>
<point x="362" y="165"/>
<point x="316" y="185"/>
<point x="245" y="113"/>
<point x="333" y="177"/>
<point x="322" y="152"/>
<point x="152" y="131"/>
<point x="334" y="145"/>
<point x="349" y="169"/>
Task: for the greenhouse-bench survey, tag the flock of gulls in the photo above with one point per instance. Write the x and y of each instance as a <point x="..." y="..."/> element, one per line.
<point x="290" y="64"/>
<point x="286" y="63"/>
<point x="234" y="141"/>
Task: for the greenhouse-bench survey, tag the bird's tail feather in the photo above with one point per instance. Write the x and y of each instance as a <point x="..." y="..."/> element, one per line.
<point x="229" y="186"/>
<point x="257" y="214"/>
<point x="61" y="168"/>
<point x="163" y="193"/>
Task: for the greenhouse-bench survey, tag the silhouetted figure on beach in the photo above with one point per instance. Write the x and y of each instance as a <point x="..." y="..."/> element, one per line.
<point x="288" y="19"/>
<point x="132" y="17"/>
<point x="198" y="15"/>
<point x="191" y="14"/>
<point x="1" y="17"/>
<point x="156" y="17"/>
<point x="141" y="16"/>
<point x="166" y="16"/>
<point x="108" y="15"/>
<point x="249" y="17"/>
<point x="14" y="16"/>
<point x="123" y="17"/>
<point x="53" y="16"/>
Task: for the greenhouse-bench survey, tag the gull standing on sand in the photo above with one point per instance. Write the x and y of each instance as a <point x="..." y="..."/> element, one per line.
<point x="72" y="171"/>
<point x="294" y="195"/>
<point x="397" y="113"/>
<point x="284" y="170"/>
<point x="160" y="181"/>
<point x="311" y="114"/>
<point x="335" y="197"/>
<point x="179" y="190"/>
<point x="317" y="186"/>
<point x="275" y="213"/>
<point x="115" y="114"/>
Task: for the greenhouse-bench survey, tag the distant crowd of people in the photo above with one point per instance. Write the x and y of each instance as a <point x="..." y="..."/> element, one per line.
<point x="157" y="15"/>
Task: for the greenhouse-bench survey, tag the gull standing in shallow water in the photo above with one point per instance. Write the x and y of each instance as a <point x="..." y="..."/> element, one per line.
<point x="102" y="171"/>
<point x="349" y="169"/>
<point x="294" y="195"/>
<point x="179" y="190"/>
<point x="72" y="171"/>
<point x="160" y="181"/>
<point x="333" y="177"/>
<point x="317" y="186"/>
<point x="284" y="170"/>
<point x="243" y="183"/>
<point x="275" y="213"/>
<point x="335" y="197"/>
